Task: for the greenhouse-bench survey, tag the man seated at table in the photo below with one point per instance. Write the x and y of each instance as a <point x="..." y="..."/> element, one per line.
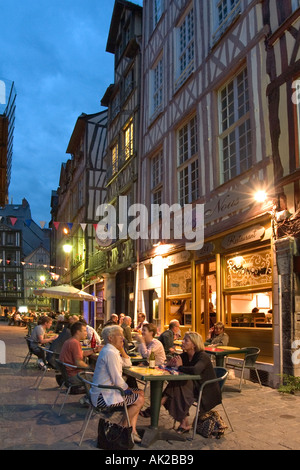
<point x="108" y="371"/>
<point x="60" y="322"/>
<point x="168" y="336"/>
<point x="114" y="320"/>
<point x="217" y="335"/>
<point x="141" y="322"/>
<point x="73" y="354"/>
<point x="126" y="326"/>
<point x="57" y="344"/>
<point x="147" y="344"/>
<point x="92" y="338"/>
<point x="38" y="338"/>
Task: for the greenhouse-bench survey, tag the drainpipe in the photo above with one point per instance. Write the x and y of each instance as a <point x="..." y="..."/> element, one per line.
<point x="140" y="148"/>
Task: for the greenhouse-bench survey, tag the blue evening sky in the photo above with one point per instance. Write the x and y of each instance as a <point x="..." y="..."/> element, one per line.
<point x="55" y="52"/>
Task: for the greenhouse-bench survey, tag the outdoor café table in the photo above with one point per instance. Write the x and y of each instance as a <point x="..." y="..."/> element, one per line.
<point x="157" y="377"/>
<point x="137" y="358"/>
<point x="93" y="358"/>
<point x="221" y="352"/>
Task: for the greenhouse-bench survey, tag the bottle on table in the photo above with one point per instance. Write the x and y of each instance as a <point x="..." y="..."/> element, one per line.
<point x="152" y="360"/>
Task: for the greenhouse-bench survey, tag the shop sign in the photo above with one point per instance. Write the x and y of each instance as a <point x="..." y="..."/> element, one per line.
<point x="225" y="205"/>
<point x="252" y="234"/>
<point x="181" y="257"/>
<point x="208" y="249"/>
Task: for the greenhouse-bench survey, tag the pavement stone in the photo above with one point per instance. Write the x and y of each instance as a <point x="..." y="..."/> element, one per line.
<point x="262" y="418"/>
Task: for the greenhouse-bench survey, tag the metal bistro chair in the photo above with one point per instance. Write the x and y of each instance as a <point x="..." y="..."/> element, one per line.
<point x="84" y="376"/>
<point x="221" y="374"/>
<point x="30" y="353"/>
<point x="30" y="326"/>
<point x="47" y="368"/>
<point x="249" y="361"/>
<point x="61" y="366"/>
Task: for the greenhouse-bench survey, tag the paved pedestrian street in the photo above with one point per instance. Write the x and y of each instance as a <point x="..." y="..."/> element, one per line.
<point x="262" y="418"/>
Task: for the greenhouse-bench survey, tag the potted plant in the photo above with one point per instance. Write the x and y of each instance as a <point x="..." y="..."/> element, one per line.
<point x="291" y="385"/>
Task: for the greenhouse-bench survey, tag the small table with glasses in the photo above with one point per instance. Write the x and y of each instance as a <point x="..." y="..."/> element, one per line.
<point x="157" y="377"/>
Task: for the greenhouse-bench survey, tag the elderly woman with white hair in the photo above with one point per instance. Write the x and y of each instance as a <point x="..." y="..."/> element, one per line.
<point x="108" y="371"/>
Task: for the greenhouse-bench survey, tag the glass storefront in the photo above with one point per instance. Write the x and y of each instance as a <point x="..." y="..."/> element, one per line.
<point x="179" y="296"/>
<point x="248" y="289"/>
<point x="235" y="288"/>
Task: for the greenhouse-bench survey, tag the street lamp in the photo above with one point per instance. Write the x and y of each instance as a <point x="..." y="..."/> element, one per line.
<point x="260" y="196"/>
<point x="67" y="248"/>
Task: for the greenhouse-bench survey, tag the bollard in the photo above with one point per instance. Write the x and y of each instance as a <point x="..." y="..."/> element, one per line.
<point x="2" y="353"/>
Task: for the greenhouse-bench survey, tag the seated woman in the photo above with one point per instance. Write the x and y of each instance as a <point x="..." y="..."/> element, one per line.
<point x="148" y="343"/>
<point x="217" y="335"/>
<point x="179" y="396"/>
<point x="108" y="371"/>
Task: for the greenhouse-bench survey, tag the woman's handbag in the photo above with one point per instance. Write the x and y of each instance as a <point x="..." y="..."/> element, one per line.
<point x="112" y="436"/>
<point x="211" y="424"/>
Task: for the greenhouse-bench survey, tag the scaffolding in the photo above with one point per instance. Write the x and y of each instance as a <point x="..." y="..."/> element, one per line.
<point x="7" y="126"/>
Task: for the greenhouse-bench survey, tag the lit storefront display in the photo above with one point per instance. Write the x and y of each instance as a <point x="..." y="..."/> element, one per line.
<point x="179" y="296"/>
<point x="248" y="289"/>
<point x="229" y="280"/>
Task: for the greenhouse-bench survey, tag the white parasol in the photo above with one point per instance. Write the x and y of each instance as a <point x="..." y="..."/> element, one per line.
<point x="65" y="292"/>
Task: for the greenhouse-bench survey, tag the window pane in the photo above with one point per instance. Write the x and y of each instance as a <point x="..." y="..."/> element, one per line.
<point x="115" y="159"/>
<point x="186" y="52"/>
<point x="236" y="147"/>
<point x="157" y="11"/>
<point x="249" y="270"/>
<point x="157" y="86"/>
<point x="129" y="141"/>
<point x="156" y="170"/>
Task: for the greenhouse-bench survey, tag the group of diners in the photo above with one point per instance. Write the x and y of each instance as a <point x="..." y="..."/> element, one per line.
<point x="110" y="348"/>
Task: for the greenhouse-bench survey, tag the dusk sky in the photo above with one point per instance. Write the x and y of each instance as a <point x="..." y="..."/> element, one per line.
<point x="55" y="53"/>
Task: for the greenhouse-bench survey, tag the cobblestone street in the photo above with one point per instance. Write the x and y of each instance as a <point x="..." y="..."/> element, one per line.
<point x="262" y="419"/>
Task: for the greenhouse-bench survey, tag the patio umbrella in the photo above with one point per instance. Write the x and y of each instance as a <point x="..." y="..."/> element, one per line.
<point x="65" y="292"/>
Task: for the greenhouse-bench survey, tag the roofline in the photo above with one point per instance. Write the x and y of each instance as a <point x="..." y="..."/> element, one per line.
<point x="117" y="11"/>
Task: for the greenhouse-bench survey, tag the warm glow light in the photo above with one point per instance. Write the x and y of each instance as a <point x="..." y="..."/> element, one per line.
<point x="238" y="261"/>
<point x="260" y="196"/>
<point x="263" y="300"/>
<point x="66" y="231"/>
<point x="42" y="278"/>
<point x="67" y="248"/>
<point x="162" y="249"/>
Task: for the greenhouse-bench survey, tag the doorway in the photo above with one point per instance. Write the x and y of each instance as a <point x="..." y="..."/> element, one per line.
<point x="206" y="297"/>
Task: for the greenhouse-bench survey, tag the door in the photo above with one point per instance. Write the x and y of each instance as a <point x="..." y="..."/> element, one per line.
<point x="206" y="296"/>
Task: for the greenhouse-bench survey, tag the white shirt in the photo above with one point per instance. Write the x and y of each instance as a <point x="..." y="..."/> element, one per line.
<point x="90" y="332"/>
<point x="108" y="371"/>
<point x="158" y="349"/>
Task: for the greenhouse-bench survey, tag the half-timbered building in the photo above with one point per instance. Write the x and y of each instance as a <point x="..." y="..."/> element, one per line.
<point x="81" y="190"/>
<point x="123" y="101"/>
<point x="220" y="129"/>
<point x="282" y="20"/>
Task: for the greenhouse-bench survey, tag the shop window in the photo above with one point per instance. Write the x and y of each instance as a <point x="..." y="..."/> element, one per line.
<point x="248" y="290"/>
<point x="249" y="270"/>
<point x="249" y="310"/>
<point x="179" y="296"/>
